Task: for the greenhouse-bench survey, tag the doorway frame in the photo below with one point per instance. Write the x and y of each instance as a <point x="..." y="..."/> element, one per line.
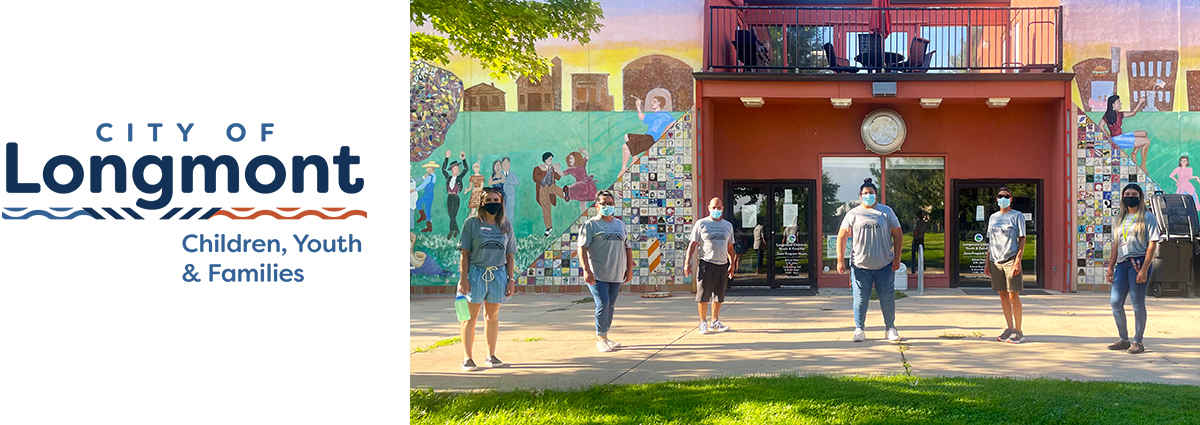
<point x="811" y="186"/>
<point x="952" y="237"/>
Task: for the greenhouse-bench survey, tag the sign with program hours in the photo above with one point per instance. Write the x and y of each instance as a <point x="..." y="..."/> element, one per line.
<point x="974" y="253"/>
<point x="749" y="216"/>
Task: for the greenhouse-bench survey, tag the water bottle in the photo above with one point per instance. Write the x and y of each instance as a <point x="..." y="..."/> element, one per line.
<point x="461" y="307"/>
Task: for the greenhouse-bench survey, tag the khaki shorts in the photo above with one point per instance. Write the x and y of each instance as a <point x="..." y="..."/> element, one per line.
<point x="1002" y="278"/>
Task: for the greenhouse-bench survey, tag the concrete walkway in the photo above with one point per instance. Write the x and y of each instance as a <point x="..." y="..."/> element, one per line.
<point x="946" y="333"/>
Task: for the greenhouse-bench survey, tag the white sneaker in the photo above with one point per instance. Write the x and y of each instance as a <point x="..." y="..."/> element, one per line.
<point x="703" y="328"/>
<point x="717" y="326"/>
<point x="612" y="343"/>
<point x="859" y="335"/>
<point x="893" y="335"/>
<point x="603" y="346"/>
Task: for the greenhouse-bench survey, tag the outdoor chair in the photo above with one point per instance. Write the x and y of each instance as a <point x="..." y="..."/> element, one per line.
<point x="749" y="49"/>
<point x="840" y="65"/>
<point x="918" y="57"/>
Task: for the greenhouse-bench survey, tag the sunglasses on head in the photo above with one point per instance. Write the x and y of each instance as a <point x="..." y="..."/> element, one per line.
<point x="1004" y="196"/>
<point x="492" y="190"/>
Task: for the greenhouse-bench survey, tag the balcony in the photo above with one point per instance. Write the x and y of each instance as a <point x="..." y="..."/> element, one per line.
<point x="850" y="40"/>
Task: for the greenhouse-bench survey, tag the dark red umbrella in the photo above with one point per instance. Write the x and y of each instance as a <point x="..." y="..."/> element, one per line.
<point x="880" y="21"/>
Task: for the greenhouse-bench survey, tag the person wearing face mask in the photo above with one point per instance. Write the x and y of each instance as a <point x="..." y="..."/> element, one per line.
<point x="1006" y="245"/>
<point x="486" y="271"/>
<point x="710" y="235"/>
<point x="607" y="258"/>
<point x="1136" y="236"/>
<point x="876" y="241"/>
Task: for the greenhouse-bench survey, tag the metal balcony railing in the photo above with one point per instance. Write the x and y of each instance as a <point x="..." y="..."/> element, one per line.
<point x="898" y="39"/>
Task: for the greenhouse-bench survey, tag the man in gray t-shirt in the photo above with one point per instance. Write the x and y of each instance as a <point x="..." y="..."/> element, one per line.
<point x="606" y="255"/>
<point x="712" y="237"/>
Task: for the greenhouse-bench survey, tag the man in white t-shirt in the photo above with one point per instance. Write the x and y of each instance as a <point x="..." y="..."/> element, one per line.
<point x="712" y="237"/>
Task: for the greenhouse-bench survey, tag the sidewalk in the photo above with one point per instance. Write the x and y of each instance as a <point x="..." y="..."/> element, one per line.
<point x="1066" y="338"/>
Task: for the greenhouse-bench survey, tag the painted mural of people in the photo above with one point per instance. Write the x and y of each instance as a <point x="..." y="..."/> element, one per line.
<point x="425" y="200"/>
<point x="412" y="201"/>
<point x="475" y="187"/>
<point x="584" y="188"/>
<point x="1137" y="141"/>
<point x="510" y="183"/>
<point x="454" y="185"/>
<point x="547" y="193"/>
<point x="1183" y="177"/>
<point x="657" y="119"/>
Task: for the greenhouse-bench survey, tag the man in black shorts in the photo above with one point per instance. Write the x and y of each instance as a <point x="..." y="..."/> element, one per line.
<point x="712" y="236"/>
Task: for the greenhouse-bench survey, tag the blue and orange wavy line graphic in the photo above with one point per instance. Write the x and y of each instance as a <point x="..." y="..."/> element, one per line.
<point x="181" y="213"/>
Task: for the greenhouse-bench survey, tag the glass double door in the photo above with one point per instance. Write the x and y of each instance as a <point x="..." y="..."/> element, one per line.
<point x="773" y="233"/>
<point x="974" y="203"/>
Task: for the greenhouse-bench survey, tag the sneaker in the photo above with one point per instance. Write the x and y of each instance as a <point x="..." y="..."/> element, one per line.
<point x="893" y="334"/>
<point x="1016" y="338"/>
<point x="493" y="362"/>
<point x="549" y="230"/>
<point x="703" y="328"/>
<point x="603" y="346"/>
<point x="469" y="365"/>
<point x="1004" y="336"/>
<point x="1136" y="348"/>
<point x="859" y="335"/>
<point x="717" y="326"/>
<point x="612" y="343"/>
<point x="1119" y="345"/>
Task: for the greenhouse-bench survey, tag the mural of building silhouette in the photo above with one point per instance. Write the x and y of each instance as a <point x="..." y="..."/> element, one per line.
<point x="1193" y="88"/>
<point x="543" y="95"/>
<point x="589" y="92"/>
<point x="658" y="72"/>
<point x="483" y="98"/>
<point x="1152" y="75"/>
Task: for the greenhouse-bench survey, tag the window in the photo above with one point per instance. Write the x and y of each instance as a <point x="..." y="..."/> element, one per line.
<point x="522" y="100"/>
<point x="546" y="99"/>
<point x="916" y="190"/>
<point x="840" y="181"/>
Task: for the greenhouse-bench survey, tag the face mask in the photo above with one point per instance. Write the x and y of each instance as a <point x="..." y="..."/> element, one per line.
<point x="869" y="199"/>
<point x="492" y="208"/>
<point x="1131" y="201"/>
<point x="1004" y="202"/>
<point x="607" y="210"/>
<point x="716" y="214"/>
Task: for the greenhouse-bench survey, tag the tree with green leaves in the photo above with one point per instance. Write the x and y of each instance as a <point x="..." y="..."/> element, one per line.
<point x="500" y="33"/>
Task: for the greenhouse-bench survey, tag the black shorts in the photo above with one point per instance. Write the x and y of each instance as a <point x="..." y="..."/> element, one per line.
<point x="712" y="280"/>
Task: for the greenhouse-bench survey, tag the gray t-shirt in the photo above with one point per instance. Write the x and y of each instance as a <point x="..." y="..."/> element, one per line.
<point x="871" y="236"/>
<point x="1005" y="230"/>
<point x="488" y="243"/>
<point x="1129" y="244"/>
<point x="713" y="237"/>
<point x="606" y="243"/>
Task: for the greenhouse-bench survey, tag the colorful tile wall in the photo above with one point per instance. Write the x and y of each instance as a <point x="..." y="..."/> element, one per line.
<point x="656" y="197"/>
<point x="1101" y="171"/>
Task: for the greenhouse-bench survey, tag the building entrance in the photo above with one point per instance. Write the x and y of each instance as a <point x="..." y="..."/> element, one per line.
<point x="772" y="223"/>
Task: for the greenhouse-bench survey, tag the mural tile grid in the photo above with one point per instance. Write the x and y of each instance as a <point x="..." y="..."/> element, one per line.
<point x="656" y="205"/>
<point x="1101" y="171"/>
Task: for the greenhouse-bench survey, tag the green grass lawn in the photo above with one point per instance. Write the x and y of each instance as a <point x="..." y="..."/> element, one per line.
<point x="821" y="399"/>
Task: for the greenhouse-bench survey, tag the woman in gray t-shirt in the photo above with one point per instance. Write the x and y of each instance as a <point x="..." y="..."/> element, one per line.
<point x="607" y="259"/>
<point x="875" y="242"/>
<point x="1135" y="235"/>
<point x="488" y="246"/>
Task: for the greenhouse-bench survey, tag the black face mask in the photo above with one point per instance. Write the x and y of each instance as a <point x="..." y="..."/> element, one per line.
<point x="492" y="208"/>
<point x="1131" y="201"/>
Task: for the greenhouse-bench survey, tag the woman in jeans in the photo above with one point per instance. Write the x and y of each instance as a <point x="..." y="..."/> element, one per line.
<point x="1135" y="235"/>
<point x="488" y="246"/>
<point x="607" y="259"/>
<point x="876" y="241"/>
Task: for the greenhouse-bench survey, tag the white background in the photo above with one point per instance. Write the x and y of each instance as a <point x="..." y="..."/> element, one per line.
<point x="96" y="324"/>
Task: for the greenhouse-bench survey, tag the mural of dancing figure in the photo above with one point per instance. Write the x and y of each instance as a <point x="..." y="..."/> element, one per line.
<point x="475" y="188"/>
<point x="546" y="174"/>
<point x="584" y="188"/>
<point x="454" y="185"/>
<point x="425" y="200"/>
<point x="1183" y="176"/>
<point x="1137" y="141"/>
<point x="657" y="119"/>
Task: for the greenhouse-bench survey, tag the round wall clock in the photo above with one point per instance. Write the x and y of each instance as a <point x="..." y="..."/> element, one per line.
<point x="883" y="131"/>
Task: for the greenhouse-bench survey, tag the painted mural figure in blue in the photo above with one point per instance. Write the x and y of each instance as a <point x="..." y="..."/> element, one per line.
<point x="425" y="201"/>
<point x="658" y="120"/>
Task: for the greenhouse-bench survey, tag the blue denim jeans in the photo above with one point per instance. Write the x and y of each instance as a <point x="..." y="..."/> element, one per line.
<point x="605" y="295"/>
<point x="1125" y="283"/>
<point x="884" y="281"/>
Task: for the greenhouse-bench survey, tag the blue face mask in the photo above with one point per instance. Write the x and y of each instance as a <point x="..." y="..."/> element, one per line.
<point x="1004" y="202"/>
<point x="716" y="214"/>
<point x="869" y="199"/>
<point x="607" y="210"/>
